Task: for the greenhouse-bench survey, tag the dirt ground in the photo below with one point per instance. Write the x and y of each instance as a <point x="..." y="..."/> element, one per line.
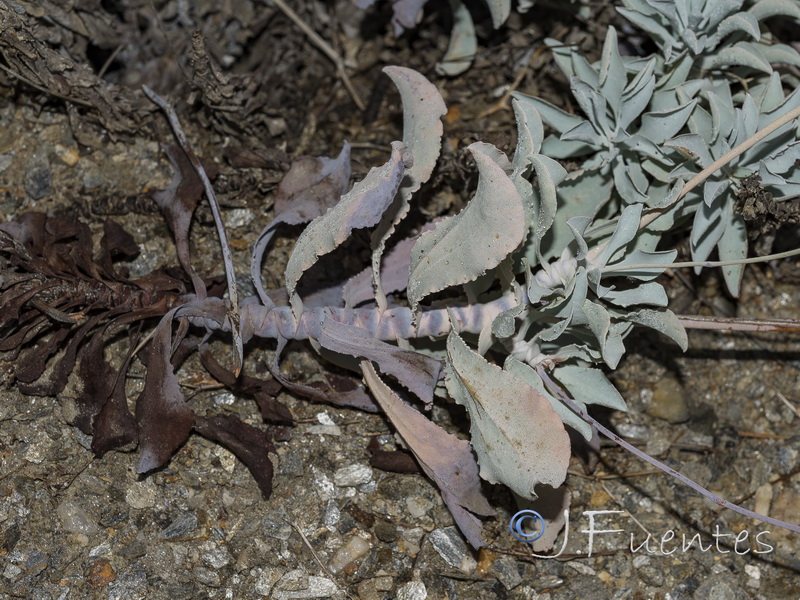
<point x="78" y="137"/>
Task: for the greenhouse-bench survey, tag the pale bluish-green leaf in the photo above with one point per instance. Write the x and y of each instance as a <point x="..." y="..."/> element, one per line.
<point x="549" y="174"/>
<point x="449" y="255"/>
<point x="463" y="43"/>
<point x="593" y="104"/>
<point x="613" y="76"/>
<point x="660" y="126"/>
<point x="764" y="9"/>
<point x="733" y="246"/>
<point x="781" y="54"/>
<point x="707" y="228"/>
<point x="768" y="96"/>
<point x="580" y="197"/>
<point x="712" y="189"/>
<point x="551" y="115"/>
<point x="630" y="181"/>
<point x="599" y="322"/>
<point x="637" y="94"/>
<point x="625" y="231"/>
<point x="589" y="385"/>
<point x="743" y="54"/>
<point x="640" y="257"/>
<point x="519" y="439"/>
<point x="585" y="132"/>
<point x="530" y="132"/>
<point x="743" y="22"/>
<point x="556" y="148"/>
<point x="650" y="293"/>
<point x="693" y="147"/>
<point x="526" y="374"/>
<point x="664" y="321"/>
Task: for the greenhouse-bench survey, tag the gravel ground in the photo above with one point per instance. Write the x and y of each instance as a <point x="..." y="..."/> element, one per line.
<point x="74" y="527"/>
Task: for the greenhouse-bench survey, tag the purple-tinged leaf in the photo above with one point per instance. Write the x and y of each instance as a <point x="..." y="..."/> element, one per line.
<point x="423" y="109"/>
<point x="311" y="187"/>
<point x="178" y="201"/>
<point x="449" y="254"/>
<point x="394" y="273"/>
<point x="250" y="445"/>
<point x="361" y="207"/>
<point x="446" y="459"/>
<point x="520" y="440"/>
<point x="396" y="461"/>
<point x="415" y="371"/>
<point x="114" y="426"/>
<point x="341" y="391"/>
<point x="407" y="13"/>
<point x="263" y="390"/>
<point x="162" y="415"/>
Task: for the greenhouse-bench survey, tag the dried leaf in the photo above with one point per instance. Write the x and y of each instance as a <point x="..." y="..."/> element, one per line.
<point x="250" y="445"/>
<point x="162" y="415"/>
<point x="444" y="458"/>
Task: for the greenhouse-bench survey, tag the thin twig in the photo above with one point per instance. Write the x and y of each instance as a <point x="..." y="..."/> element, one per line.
<point x="322" y="566"/>
<point x="230" y="275"/>
<point x="654" y="213"/>
<point x="326" y="49"/>
<point x="702" y="263"/>
<point x="738" y="324"/>
<point x="565" y="398"/>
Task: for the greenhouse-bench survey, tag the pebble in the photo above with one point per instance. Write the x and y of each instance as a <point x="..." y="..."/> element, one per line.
<point x="75" y="519"/>
<point x="181" y="528"/>
<point x="668" y="401"/>
<point x="506" y="570"/>
<point x="413" y="590"/>
<point x="296" y="585"/>
<point x="451" y="547"/>
<point x="355" y="549"/>
<point x="352" y="475"/>
<point x="142" y="494"/>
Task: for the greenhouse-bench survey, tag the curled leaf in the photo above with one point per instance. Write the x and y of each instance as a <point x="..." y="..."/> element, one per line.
<point x="463" y="247"/>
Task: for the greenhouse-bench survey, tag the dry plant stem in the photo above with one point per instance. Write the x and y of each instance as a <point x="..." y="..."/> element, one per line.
<point x="564" y="397"/>
<point x="736" y="324"/>
<point x="721" y="162"/>
<point x="326" y="49"/>
<point x="230" y="275"/>
<point x="705" y="263"/>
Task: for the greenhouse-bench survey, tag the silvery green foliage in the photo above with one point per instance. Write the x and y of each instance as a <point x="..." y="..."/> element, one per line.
<point x="712" y="34"/>
<point x="713" y="131"/>
<point x="647" y="127"/>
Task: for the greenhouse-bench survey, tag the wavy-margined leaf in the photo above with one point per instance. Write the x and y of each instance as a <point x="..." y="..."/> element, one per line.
<point x="312" y="186"/>
<point x="361" y="207"/>
<point x="423" y="109"/>
<point x="463" y="247"/>
<point x="519" y="439"/>
<point x="415" y="371"/>
<point x="444" y="458"/>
